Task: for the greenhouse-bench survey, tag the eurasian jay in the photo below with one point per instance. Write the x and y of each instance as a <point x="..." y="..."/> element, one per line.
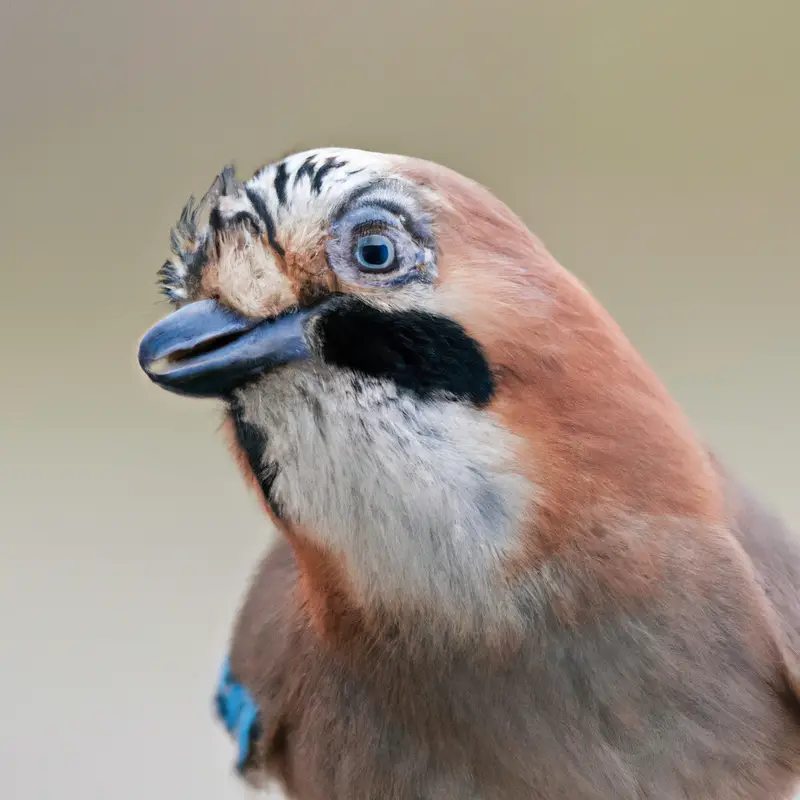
<point x="509" y="569"/>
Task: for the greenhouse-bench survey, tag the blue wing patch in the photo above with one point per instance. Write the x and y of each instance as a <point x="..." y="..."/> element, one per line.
<point x="238" y="712"/>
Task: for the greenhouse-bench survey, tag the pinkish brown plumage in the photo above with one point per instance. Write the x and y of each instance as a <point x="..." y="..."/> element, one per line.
<point x="509" y="567"/>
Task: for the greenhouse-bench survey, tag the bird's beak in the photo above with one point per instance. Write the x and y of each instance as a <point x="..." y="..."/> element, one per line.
<point x="205" y="350"/>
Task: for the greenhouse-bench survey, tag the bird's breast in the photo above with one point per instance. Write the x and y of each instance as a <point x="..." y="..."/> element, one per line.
<point x="423" y="500"/>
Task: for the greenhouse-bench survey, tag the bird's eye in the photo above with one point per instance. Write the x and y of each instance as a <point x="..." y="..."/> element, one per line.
<point x="375" y="253"/>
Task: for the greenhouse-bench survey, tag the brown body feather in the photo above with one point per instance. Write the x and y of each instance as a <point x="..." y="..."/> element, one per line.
<point x="683" y="695"/>
<point x="663" y="670"/>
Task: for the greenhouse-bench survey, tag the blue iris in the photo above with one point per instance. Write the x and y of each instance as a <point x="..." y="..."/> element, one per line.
<point x="375" y="253"/>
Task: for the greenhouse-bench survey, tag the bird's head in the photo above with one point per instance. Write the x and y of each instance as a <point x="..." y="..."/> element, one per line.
<point x="363" y="260"/>
<point x="400" y="354"/>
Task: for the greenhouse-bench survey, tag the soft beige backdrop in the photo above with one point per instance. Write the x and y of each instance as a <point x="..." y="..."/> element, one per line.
<point x="653" y="146"/>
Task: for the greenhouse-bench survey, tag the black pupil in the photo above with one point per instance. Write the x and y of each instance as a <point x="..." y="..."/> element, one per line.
<point x="375" y="254"/>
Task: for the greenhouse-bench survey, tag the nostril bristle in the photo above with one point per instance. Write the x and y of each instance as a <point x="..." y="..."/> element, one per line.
<point x="245" y="220"/>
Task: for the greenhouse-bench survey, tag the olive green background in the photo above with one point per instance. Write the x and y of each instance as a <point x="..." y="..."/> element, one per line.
<point x="652" y="145"/>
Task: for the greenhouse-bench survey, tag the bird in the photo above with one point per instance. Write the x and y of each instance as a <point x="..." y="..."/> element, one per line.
<point x="508" y="566"/>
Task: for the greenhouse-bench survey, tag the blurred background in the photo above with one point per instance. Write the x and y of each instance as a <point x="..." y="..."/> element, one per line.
<point x="653" y="147"/>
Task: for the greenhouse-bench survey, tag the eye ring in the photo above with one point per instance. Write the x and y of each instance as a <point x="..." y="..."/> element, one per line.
<point x="375" y="253"/>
